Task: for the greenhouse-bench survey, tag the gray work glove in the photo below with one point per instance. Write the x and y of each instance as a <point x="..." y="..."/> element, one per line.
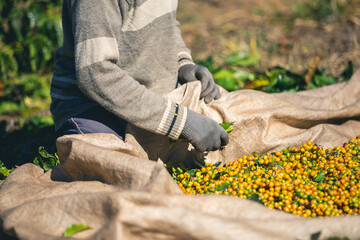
<point x="204" y="133"/>
<point x="190" y="73"/>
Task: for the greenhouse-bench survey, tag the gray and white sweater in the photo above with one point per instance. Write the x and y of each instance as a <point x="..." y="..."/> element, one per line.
<point x="123" y="55"/>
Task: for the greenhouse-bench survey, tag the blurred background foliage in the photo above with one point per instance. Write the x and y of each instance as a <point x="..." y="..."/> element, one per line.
<point x="323" y="11"/>
<point x="30" y="31"/>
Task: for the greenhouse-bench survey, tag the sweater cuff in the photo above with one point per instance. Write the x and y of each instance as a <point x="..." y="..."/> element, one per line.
<point x="194" y="122"/>
<point x="184" y="58"/>
<point x="173" y="121"/>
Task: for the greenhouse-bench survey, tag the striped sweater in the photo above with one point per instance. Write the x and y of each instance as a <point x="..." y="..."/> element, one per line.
<point x="123" y="55"/>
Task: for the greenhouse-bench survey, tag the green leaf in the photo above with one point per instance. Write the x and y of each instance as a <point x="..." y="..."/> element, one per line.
<point x="320" y="177"/>
<point x="36" y="162"/>
<point x="43" y="152"/>
<point x="247" y="171"/>
<point x="191" y="172"/>
<point x="235" y="57"/>
<point x="215" y="176"/>
<point x="323" y="80"/>
<point x="47" y="166"/>
<point x="282" y="80"/>
<point x="222" y="187"/>
<point x="260" y="82"/>
<point x="46" y="160"/>
<point x="217" y="164"/>
<point x="227" y="126"/>
<point x="226" y="79"/>
<point x="244" y="75"/>
<point x="255" y="154"/>
<point x="241" y="59"/>
<point x="7" y="107"/>
<point x="311" y="86"/>
<point x="255" y="197"/>
<point x="4" y="171"/>
<point x="75" y="228"/>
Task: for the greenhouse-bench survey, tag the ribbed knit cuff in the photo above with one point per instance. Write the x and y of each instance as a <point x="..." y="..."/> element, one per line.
<point x="173" y="120"/>
<point x="192" y="124"/>
<point x="184" y="58"/>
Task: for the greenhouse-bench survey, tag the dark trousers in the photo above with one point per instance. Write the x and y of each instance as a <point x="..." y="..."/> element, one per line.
<point x="94" y="120"/>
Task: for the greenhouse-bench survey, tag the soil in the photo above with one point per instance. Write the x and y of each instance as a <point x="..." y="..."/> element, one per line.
<point x="272" y="29"/>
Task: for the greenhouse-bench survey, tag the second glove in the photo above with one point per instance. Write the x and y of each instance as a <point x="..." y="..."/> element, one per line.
<point x="191" y="72"/>
<point x="204" y="133"/>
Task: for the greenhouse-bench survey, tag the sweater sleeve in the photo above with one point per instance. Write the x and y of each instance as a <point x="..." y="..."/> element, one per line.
<point x="95" y="25"/>
<point x="184" y="54"/>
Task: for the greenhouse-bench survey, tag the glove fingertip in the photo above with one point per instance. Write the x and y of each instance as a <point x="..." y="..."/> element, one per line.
<point x="224" y="138"/>
<point x="207" y="100"/>
<point x="218" y="93"/>
<point x="217" y="145"/>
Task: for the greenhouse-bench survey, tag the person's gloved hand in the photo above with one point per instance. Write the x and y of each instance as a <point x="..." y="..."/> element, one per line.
<point x="191" y="72"/>
<point x="204" y="133"/>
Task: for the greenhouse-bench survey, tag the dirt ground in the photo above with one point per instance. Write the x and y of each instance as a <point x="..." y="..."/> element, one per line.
<point x="272" y="29"/>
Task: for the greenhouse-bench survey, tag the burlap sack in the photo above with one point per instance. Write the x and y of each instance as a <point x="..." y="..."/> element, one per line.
<point x="111" y="185"/>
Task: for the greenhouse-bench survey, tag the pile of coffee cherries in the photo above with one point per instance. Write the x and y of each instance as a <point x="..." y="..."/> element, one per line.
<point x="308" y="180"/>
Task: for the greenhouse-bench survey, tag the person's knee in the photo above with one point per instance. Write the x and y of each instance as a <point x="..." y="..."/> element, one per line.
<point x="68" y="128"/>
<point x="82" y="125"/>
